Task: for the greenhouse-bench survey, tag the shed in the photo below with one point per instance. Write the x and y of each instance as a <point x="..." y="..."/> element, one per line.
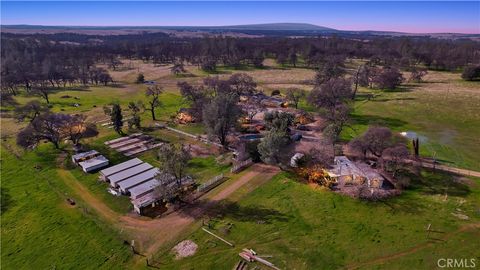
<point x="122" y="138"/>
<point x="144" y="188"/>
<point x="125" y="143"/>
<point x="120" y="176"/>
<point x="136" y="180"/>
<point x="140" y="203"/>
<point x="84" y="156"/>
<point x="119" y="167"/>
<point x="94" y="163"/>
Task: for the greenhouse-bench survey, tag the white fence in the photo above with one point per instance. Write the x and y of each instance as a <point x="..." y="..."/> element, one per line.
<point x="217" y="180"/>
<point x="241" y="165"/>
<point x="196" y="137"/>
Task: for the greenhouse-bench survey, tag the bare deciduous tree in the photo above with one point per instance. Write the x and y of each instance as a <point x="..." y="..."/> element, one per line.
<point x="153" y="93"/>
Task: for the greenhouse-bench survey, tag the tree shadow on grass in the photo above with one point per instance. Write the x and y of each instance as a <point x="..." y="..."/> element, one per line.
<point x="402" y="88"/>
<point x="439" y="183"/>
<point x="6" y="201"/>
<point x="391" y="99"/>
<point x="233" y="211"/>
<point x="79" y="88"/>
<point x="117" y="85"/>
<point x="404" y="204"/>
<point x="197" y="165"/>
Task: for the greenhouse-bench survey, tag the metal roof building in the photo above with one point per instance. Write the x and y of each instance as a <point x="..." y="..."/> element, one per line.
<point x="144" y="201"/>
<point x="84" y="156"/>
<point x="94" y="163"/>
<point x="119" y="167"/>
<point x="125" y="142"/>
<point x="115" y="179"/>
<point x="129" y="183"/>
<point x="122" y="139"/>
<point x="143" y="189"/>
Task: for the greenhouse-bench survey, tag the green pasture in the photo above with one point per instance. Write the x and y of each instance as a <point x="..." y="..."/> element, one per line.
<point x="306" y="228"/>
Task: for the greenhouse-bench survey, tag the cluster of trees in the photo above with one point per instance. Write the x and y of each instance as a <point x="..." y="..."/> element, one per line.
<point x="38" y="66"/>
<point x="173" y="160"/>
<point x="333" y="98"/>
<point x="215" y="102"/>
<point x="55" y="128"/>
<point x="38" y="61"/>
<point x="277" y="136"/>
<point x="381" y="143"/>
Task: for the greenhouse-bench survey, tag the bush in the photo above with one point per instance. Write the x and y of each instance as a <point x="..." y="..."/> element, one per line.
<point x="471" y="73"/>
<point x="140" y="78"/>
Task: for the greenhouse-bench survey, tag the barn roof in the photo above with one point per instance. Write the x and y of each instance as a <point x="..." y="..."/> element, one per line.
<point x="115" y="178"/>
<point x="85" y="154"/>
<point x="126" y="184"/>
<point x="138" y="191"/>
<point x="120" y="167"/>
<point x="93" y="162"/>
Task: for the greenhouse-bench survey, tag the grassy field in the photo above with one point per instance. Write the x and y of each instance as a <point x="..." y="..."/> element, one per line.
<point x="443" y="109"/>
<point x="306" y="228"/>
<point x="40" y="230"/>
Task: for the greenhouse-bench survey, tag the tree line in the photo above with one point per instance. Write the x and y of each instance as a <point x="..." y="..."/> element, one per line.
<point x="49" y="61"/>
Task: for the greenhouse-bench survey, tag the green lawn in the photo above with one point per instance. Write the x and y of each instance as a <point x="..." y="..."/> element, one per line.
<point x="40" y="230"/>
<point x="203" y="169"/>
<point x="304" y="228"/>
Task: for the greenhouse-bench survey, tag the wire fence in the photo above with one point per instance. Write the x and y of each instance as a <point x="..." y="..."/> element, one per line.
<point x="217" y="180"/>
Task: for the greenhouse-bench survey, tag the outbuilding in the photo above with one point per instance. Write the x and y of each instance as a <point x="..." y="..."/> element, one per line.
<point x="104" y="174"/>
<point x="93" y="164"/>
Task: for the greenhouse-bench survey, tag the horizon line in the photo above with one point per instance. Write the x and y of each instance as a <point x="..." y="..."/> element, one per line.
<point x="247" y="24"/>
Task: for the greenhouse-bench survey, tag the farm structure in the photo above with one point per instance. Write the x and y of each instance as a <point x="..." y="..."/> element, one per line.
<point x="267" y="101"/>
<point x="90" y="161"/>
<point x="133" y="144"/>
<point x="347" y="172"/>
<point x="119" y="167"/>
<point x="140" y="180"/>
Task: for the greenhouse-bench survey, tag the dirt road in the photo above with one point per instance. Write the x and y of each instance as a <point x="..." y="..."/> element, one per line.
<point x="150" y="235"/>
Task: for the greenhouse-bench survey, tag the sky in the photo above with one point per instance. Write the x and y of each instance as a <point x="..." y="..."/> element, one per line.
<point x="410" y="16"/>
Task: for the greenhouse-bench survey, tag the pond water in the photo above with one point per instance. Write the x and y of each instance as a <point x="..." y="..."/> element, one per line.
<point x="250" y="137"/>
<point x="413" y="135"/>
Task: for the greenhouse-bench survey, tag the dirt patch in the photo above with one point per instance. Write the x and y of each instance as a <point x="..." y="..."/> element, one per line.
<point x="199" y="151"/>
<point x="184" y="249"/>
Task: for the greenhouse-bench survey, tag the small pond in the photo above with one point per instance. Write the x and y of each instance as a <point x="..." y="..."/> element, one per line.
<point x="413" y="135"/>
<point x="251" y="137"/>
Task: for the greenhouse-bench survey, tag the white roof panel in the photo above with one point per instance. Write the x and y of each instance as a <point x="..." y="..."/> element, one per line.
<point x="85" y="155"/>
<point x="115" y="178"/>
<point x="125" y="185"/>
<point x="93" y="162"/>
<point x="120" y="167"/>
<point x="122" y="138"/>
<point x="138" y="191"/>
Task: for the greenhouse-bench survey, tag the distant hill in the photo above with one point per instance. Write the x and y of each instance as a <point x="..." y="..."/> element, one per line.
<point x="278" y="26"/>
<point x="248" y="30"/>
